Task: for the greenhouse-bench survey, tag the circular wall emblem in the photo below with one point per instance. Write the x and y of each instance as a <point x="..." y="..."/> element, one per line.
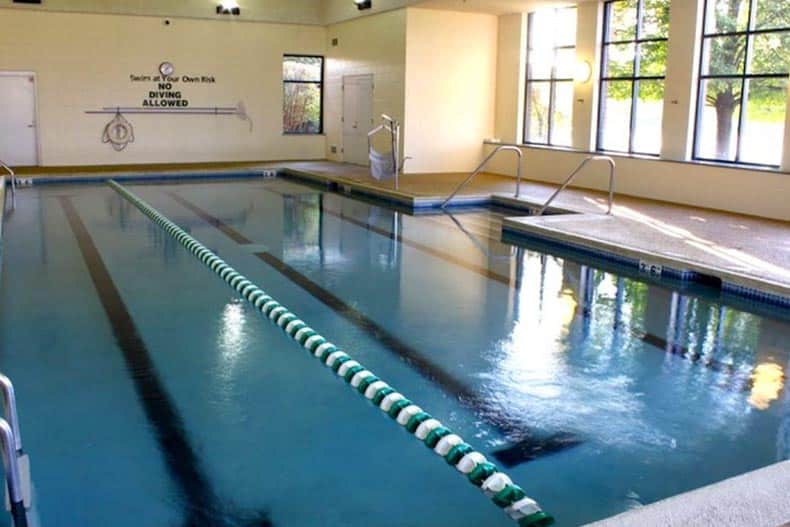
<point x="166" y="69"/>
<point x="118" y="132"/>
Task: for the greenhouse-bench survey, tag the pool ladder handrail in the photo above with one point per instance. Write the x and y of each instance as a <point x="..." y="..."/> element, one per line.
<point x="13" y="178"/>
<point x="482" y="165"/>
<point x="578" y="169"/>
<point x="11" y="439"/>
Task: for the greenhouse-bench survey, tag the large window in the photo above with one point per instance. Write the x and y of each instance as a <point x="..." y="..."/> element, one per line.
<point x="632" y="76"/>
<point x="743" y="81"/>
<point x="303" y="87"/>
<point x="551" y="54"/>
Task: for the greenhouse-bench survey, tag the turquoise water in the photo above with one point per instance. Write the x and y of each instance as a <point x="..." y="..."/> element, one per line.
<point x="175" y="403"/>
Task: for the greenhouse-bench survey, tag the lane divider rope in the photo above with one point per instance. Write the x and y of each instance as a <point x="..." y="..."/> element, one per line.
<point x="479" y="471"/>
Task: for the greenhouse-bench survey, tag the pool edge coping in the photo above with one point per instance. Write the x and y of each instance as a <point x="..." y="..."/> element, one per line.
<point x="728" y="502"/>
<point x="685" y="269"/>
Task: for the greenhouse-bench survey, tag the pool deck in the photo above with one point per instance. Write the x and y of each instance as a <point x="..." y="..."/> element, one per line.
<point x="755" y="499"/>
<point x="743" y="251"/>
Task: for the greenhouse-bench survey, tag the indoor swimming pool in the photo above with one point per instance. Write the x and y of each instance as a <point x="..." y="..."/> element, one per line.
<point x="151" y="393"/>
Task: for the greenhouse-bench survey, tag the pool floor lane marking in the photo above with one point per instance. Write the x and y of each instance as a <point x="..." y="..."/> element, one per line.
<point x="476" y="468"/>
<point x="513" y="430"/>
<point x="204" y="508"/>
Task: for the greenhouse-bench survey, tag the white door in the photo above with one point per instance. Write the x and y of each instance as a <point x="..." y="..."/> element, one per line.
<point x="18" y="119"/>
<point x="357" y="117"/>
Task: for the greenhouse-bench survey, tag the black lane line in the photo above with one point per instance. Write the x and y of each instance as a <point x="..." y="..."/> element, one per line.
<point x="204" y="508"/>
<point x="513" y="430"/>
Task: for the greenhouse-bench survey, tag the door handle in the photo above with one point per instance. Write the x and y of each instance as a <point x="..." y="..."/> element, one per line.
<point x="31" y="126"/>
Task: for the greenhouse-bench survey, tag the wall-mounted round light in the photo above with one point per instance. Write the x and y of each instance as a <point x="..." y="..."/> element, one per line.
<point x="582" y="71"/>
<point x="228" y="7"/>
<point x="363" y="4"/>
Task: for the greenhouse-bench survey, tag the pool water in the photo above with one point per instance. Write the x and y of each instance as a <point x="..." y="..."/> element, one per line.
<point x="150" y="393"/>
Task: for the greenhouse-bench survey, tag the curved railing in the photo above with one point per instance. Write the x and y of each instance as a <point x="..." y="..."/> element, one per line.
<point x="13" y="178"/>
<point x="482" y="165"/>
<point x="573" y="175"/>
<point x="17" y="481"/>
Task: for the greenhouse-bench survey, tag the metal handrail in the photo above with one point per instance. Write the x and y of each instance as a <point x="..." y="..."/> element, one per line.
<point x="480" y="167"/>
<point x="573" y="175"/>
<point x="10" y="412"/>
<point x="13" y="178"/>
<point x="12" y="475"/>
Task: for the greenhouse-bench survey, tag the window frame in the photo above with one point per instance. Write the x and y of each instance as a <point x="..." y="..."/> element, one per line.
<point x="634" y="78"/>
<point x="320" y="84"/>
<point x="552" y="81"/>
<point x="743" y="76"/>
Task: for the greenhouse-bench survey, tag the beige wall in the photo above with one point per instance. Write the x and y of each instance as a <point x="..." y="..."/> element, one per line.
<point x="284" y="11"/>
<point x="450" y="89"/>
<point x="84" y="61"/>
<point x="585" y="94"/>
<point x="334" y="11"/>
<point x="319" y="12"/>
<point x="369" y="45"/>
<point x="511" y="74"/>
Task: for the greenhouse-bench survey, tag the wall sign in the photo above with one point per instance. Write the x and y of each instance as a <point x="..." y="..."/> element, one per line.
<point x="163" y="95"/>
<point x="652" y="268"/>
<point x="164" y="90"/>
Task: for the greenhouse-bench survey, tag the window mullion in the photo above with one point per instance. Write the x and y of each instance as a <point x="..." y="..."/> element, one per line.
<point x="639" y="14"/>
<point x="747" y="62"/>
<point x="527" y="105"/>
<point x="552" y="95"/>
<point x="744" y="97"/>
<point x="601" y="92"/>
<point x="632" y="122"/>
<point x="637" y="68"/>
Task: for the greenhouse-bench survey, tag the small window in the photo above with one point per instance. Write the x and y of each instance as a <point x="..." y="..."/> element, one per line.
<point x="551" y="55"/>
<point x="632" y="76"/>
<point x="743" y="82"/>
<point x="303" y="94"/>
